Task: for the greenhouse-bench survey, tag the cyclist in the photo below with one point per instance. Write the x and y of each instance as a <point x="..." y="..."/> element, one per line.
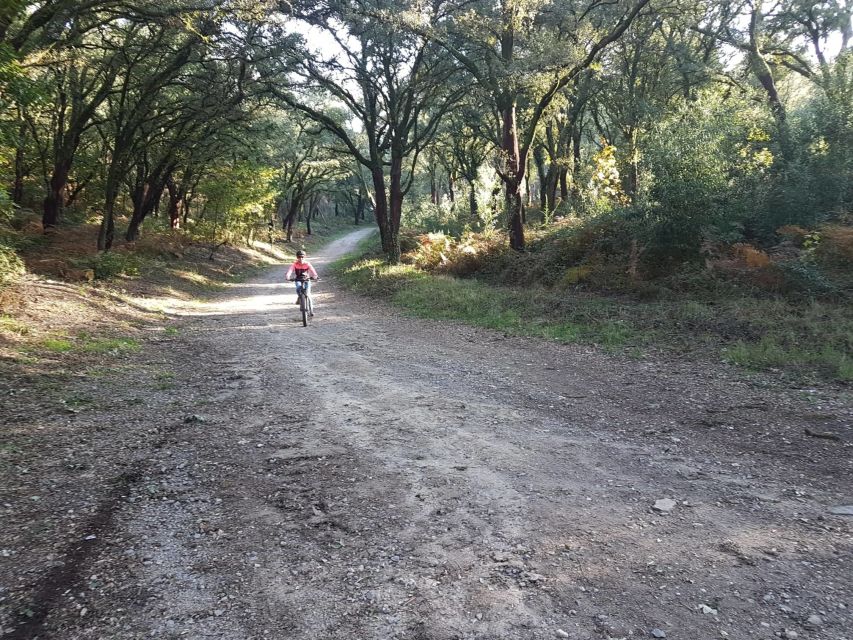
<point x="302" y="272"/>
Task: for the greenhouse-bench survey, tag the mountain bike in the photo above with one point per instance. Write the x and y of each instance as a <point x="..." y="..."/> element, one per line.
<point x="306" y="306"/>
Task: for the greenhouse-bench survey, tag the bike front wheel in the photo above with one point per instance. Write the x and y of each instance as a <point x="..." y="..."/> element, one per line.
<point x="303" y="309"/>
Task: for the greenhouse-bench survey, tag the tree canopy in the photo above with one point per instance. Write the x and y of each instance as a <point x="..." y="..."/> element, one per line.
<point x="701" y="119"/>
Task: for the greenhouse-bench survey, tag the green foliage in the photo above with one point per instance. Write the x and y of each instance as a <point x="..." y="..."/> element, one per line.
<point x="238" y="198"/>
<point x="11" y="264"/>
<point x="769" y="353"/>
<point x="57" y="345"/>
<point x="112" y="264"/>
<point x="708" y="316"/>
<point x="807" y="277"/>
<point x="92" y="344"/>
<point x="699" y="162"/>
<point x="442" y="217"/>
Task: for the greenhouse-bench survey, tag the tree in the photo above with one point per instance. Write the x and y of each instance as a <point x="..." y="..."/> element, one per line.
<point x="393" y="82"/>
<point x="510" y="50"/>
<point x="152" y="56"/>
<point x="305" y="164"/>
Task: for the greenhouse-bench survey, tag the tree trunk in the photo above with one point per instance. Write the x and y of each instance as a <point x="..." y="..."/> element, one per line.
<point x="359" y="208"/>
<point x="106" y="233"/>
<point x="764" y="73"/>
<point x="56" y="194"/>
<point x="472" y="200"/>
<point x="513" y="175"/>
<point x="396" y="206"/>
<point x="174" y="204"/>
<point x="185" y="210"/>
<point x="551" y="187"/>
<point x="515" y="213"/>
<point x="153" y="191"/>
<point x="290" y="218"/>
<point x="380" y="208"/>
<point x="539" y="159"/>
<point x="633" y="184"/>
<point x="20" y="169"/>
<point x="576" y="161"/>
<point x="20" y="172"/>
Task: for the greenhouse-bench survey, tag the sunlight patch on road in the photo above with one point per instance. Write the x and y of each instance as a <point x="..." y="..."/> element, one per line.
<point x="281" y="301"/>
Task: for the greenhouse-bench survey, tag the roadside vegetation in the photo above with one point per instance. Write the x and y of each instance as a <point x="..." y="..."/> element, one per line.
<point x="75" y="311"/>
<point x="752" y="314"/>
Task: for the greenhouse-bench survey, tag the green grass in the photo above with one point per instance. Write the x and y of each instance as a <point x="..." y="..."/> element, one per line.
<point x="85" y="343"/>
<point x="56" y="345"/>
<point x="510" y="310"/>
<point x="90" y="344"/>
<point x="12" y="325"/>
<point x="802" y="338"/>
<point x="768" y="353"/>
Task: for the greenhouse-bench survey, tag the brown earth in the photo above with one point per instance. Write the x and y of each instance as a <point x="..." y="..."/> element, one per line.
<point x="375" y="476"/>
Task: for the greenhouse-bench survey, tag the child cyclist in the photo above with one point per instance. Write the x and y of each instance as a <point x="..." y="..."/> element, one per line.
<point x="302" y="272"/>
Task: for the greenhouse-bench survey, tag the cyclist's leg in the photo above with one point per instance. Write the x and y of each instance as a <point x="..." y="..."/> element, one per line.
<point x="298" y="289"/>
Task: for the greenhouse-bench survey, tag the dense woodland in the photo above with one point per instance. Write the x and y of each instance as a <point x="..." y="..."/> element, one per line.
<point x="669" y="132"/>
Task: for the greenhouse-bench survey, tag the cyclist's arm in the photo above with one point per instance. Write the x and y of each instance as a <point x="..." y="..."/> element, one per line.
<point x="312" y="272"/>
<point x="289" y="273"/>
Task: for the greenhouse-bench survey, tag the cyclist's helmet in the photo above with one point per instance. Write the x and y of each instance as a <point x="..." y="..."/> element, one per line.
<point x="300" y="254"/>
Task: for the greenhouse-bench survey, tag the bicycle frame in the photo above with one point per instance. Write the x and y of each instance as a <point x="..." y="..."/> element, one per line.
<point x="305" y="305"/>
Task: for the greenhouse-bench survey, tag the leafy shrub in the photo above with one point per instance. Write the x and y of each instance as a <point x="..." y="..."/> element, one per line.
<point x="408" y="242"/>
<point x="433" y="250"/>
<point x="10" y="264"/>
<point x="751" y="257"/>
<point x="807" y="277"/>
<point x="794" y="233"/>
<point x="111" y="264"/>
<point x="435" y="217"/>
<point x="835" y="246"/>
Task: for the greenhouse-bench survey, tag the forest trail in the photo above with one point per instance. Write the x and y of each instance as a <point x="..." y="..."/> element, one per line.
<point x="375" y="477"/>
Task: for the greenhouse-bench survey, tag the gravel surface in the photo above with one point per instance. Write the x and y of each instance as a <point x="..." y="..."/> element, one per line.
<point x="376" y="476"/>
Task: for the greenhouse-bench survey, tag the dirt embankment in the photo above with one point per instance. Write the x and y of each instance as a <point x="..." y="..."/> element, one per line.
<point x="374" y="476"/>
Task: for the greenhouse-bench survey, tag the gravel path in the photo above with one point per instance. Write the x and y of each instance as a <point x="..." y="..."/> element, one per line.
<point x="375" y="477"/>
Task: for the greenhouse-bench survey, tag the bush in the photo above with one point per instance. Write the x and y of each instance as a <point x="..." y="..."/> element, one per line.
<point x="11" y="265"/>
<point x="835" y="246"/>
<point x="806" y="277"/>
<point x="435" y="217"/>
<point x="111" y="264"/>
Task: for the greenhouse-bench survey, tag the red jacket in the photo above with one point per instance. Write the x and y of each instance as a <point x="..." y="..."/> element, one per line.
<point x="302" y="270"/>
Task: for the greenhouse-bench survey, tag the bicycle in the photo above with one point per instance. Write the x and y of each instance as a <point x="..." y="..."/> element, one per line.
<point x="306" y="306"/>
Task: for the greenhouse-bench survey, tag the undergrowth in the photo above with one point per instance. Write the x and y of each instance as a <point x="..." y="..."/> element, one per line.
<point x="694" y="310"/>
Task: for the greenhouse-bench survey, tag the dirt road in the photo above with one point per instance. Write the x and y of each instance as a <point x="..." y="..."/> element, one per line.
<point x="377" y="477"/>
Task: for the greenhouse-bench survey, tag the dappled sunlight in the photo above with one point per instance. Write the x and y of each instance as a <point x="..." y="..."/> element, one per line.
<point x="271" y="294"/>
<point x="258" y="285"/>
<point x="272" y="297"/>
